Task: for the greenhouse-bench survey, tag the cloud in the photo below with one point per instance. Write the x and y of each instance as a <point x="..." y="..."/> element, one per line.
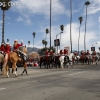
<point x="19" y="19"/>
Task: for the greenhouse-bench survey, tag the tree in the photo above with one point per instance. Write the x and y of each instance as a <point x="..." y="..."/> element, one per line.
<point x="80" y="20"/>
<point x="28" y="43"/>
<point x="7" y="40"/>
<point x="5" y="6"/>
<point x="43" y="41"/>
<point x="86" y="3"/>
<point x="34" y="34"/>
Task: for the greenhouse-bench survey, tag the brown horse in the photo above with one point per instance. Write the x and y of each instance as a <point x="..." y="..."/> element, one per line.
<point x="14" y="58"/>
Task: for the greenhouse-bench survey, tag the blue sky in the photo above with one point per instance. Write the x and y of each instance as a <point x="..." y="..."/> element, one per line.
<point x="34" y="16"/>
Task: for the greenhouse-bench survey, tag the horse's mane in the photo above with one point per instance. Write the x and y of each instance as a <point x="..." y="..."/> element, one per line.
<point x="23" y="49"/>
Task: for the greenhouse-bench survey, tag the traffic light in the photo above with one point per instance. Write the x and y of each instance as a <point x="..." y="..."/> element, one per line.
<point x="56" y="42"/>
<point x="92" y="48"/>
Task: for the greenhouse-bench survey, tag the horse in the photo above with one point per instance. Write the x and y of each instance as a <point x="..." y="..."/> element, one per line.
<point x="69" y="60"/>
<point x="94" y="59"/>
<point x="16" y="56"/>
<point x="1" y="61"/>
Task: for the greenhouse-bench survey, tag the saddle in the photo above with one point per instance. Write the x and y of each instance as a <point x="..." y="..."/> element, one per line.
<point x="66" y="59"/>
<point x="21" y="55"/>
<point x="1" y="52"/>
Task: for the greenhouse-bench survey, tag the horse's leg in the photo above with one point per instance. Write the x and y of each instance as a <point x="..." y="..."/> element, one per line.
<point x="14" y="68"/>
<point x="7" y="71"/>
<point x="25" y="66"/>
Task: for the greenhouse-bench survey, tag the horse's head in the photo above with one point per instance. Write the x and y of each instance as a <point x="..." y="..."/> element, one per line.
<point x="23" y="49"/>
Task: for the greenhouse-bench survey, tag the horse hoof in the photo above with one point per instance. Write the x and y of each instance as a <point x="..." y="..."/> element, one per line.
<point x="21" y="73"/>
<point x="26" y="74"/>
<point x="7" y="76"/>
<point x="15" y="75"/>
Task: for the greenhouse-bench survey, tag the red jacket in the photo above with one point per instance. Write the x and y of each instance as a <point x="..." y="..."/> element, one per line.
<point x="87" y="53"/>
<point x="46" y="52"/>
<point x="7" y="49"/>
<point x="17" y="46"/>
<point x="2" y="48"/>
<point x="51" y="53"/>
<point x="82" y="53"/>
<point x="61" y="52"/>
<point x="65" y="51"/>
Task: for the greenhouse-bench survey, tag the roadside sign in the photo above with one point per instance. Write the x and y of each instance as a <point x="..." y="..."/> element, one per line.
<point x="92" y="48"/>
<point x="56" y="42"/>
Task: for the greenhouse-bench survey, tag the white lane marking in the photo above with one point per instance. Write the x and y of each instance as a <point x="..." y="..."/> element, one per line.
<point x="2" y="88"/>
<point x="76" y="73"/>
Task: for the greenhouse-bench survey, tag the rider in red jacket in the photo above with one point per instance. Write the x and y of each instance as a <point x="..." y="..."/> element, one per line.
<point x="17" y="45"/>
<point x="65" y="52"/>
<point x="51" y="52"/>
<point x="2" y="48"/>
<point x="7" y="48"/>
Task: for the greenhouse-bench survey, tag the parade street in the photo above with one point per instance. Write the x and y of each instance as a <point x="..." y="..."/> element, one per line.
<point x="82" y="82"/>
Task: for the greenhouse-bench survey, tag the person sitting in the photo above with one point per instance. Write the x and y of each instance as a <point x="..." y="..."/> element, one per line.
<point x="82" y="52"/>
<point x="17" y="45"/>
<point x="7" y="50"/>
<point x="51" y="52"/>
<point x="87" y="53"/>
<point x="76" y="53"/>
<point x="65" y="51"/>
<point x="16" y="49"/>
<point x="47" y="52"/>
<point x="61" y="52"/>
<point x="94" y="53"/>
<point x="2" y="48"/>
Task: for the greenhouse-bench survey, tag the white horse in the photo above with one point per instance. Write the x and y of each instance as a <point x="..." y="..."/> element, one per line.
<point x="69" y="60"/>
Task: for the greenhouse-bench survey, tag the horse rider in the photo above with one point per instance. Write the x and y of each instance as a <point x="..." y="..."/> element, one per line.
<point x="82" y="53"/>
<point x="61" y="52"/>
<point x="65" y="51"/>
<point x="76" y="53"/>
<point x="7" y="50"/>
<point x="51" y="52"/>
<point x="17" y="45"/>
<point x="2" y="48"/>
<point x="94" y="53"/>
<point x="16" y="48"/>
<point x="87" y="53"/>
<point x="47" y="52"/>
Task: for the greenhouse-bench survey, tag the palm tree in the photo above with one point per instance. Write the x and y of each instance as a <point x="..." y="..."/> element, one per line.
<point x="33" y="38"/>
<point x="86" y="3"/>
<point x="4" y="7"/>
<point x="7" y="40"/>
<point x="70" y="24"/>
<point x="47" y="31"/>
<point x="50" y="21"/>
<point x="80" y="19"/>
<point x="43" y="42"/>
<point x="28" y="43"/>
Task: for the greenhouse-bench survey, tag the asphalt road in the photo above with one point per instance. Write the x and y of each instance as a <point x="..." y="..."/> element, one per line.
<point x="80" y="83"/>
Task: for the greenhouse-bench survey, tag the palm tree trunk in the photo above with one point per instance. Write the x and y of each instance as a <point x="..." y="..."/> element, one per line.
<point x="70" y="24"/>
<point x="3" y="20"/>
<point x="85" y="32"/>
<point x="33" y="43"/>
<point x="79" y="38"/>
<point x="50" y="23"/>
